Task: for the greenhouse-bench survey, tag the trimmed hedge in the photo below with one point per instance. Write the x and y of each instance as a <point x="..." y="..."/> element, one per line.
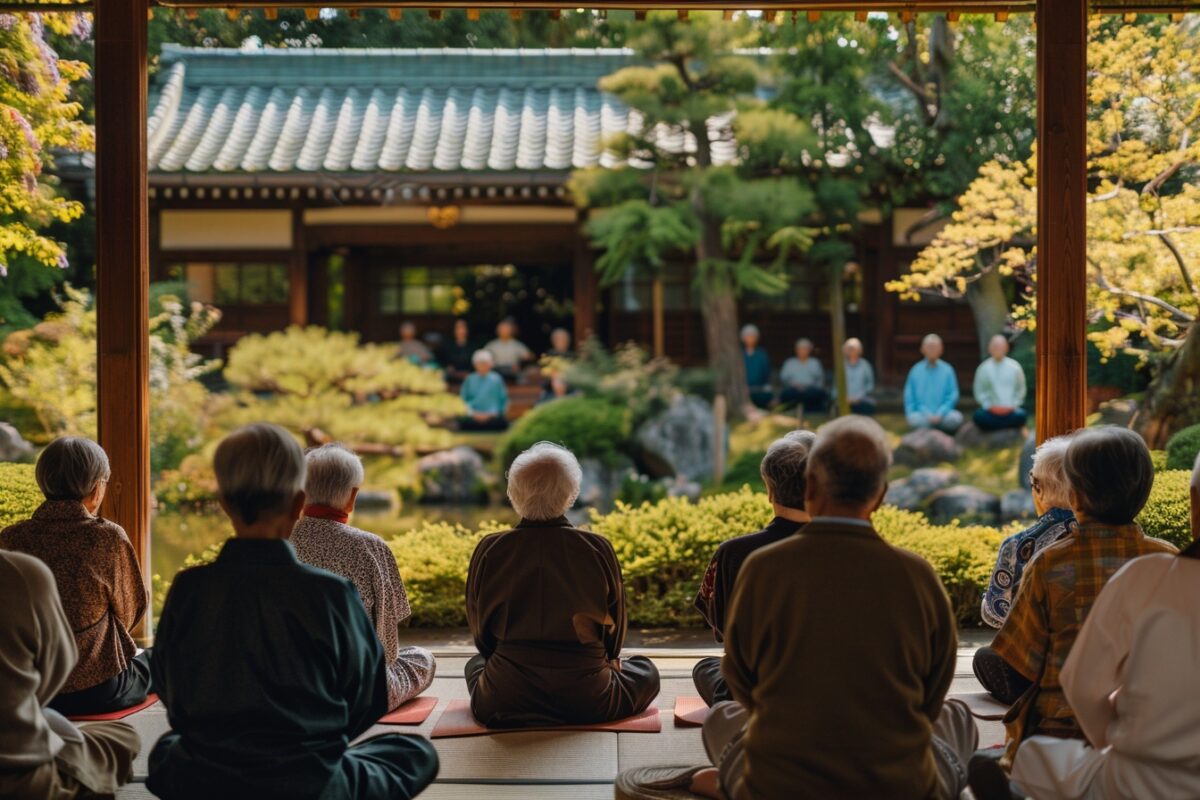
<point x="590" y="427"/>
<point x="1167" y="512"/>
<point x="19" y="493"/>
<point x="1182" y="448"/>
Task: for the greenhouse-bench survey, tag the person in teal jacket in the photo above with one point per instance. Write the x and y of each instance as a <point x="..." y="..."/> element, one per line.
<point x="485" y="395"/>
<point x="931" y="390"/>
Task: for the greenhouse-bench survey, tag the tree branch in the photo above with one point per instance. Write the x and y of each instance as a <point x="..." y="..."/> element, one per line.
<point x="1145" y="298"/>
<point x="914" y="87"/>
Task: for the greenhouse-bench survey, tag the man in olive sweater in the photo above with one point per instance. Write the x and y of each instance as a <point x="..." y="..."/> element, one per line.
<point x="839" y="650"/>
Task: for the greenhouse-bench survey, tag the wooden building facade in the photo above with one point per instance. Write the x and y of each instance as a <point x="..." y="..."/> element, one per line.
<point x="360" y="188"/>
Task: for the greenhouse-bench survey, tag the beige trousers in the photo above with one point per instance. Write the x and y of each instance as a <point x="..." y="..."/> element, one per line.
<point x="95" y="764"/>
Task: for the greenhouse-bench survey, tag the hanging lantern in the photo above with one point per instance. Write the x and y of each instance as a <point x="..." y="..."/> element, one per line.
<point x="727" y="14"/>
<point x="906" y="16"/>
<point x="271" y="13"/>
<point x="1130" y="18"/>
<point x="814" y="16"/>
<point x="682" y="14"/>
<point x="473" y="14"/>
<point x="1001" y="16"/>
<point x="232" y="14"/>
<point x="639" y="15"/>
<point x="769" y="15"/>
<point x="435" y="14"/>
<point x="394" y="14"/>
<point x="190" y="13"/>
<point x="952" y="16"/>
<point x="352" y="13"/>
<point x="515" y="13"/>
<point x="312" y="13"/>
<point x="556" y="14"/>
<point x="860" y="16"/>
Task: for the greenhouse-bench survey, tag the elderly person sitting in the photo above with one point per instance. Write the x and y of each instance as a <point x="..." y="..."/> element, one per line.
<point x="758" y="367"/>
<point x="411" y="348"/>
<point x="1130" y="680"/>
<point x="546" y="607"/>
<point x="931" y="390"/>
<point x="43" y="755"/>
<point x="782" y="471"/>
<point x="834" y="698"/>
<point x="97" y="574"/>
<point x="803" y="380"/>
<point x="509" y="352"/>
<point x="860" y="378"/>
<point x="1110" y="474"/>
<point x="323" y="539"/>
<point x="999" y="389"/>
<point x="485" y="395"/>
<point x="268" y="667"/>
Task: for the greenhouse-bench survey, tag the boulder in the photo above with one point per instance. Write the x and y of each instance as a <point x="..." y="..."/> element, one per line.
<point x="375" y="501"/>
<point x="967" y="504"/>
<point x="601" y="482"/>
<point x="910" y="493"/>
<point x="1017" y="504"/>
<point x="971" y="436"/>
<point x="13" y="446"/>
<point x="1118" y="412"/>
<point x="679" y="441"/>
<point x="926" y="447"/>
<point x="682" y="487"/>
<point x="1025" y="464"/>
<point x="457" y="475"/>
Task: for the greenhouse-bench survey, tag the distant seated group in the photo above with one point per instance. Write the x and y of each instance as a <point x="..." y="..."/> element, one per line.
<point x="839" y="648"/>
<point x="931" y="393"/>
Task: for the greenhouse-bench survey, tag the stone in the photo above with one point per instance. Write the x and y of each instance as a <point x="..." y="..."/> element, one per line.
<point x="1121" y="411"/>
<point x="1017" y="504"/>
<point x="457" y="475"/>
<point x="375" y="501"/>
<point x="682" y="487"/>
<point x="679" y="441"/>
<point x="13" y="446"/>
<point x="926" y="447"/>
<point x="967" y="504"/>
<point x="1025" y="464"/>
<point x="969" y="436"/>
<point x="601" y="483"/>
<point x="911" y="493"/>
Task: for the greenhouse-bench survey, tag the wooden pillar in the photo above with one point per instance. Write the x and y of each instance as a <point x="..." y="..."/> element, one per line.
<point x="123" y="269"/>
<point x="586" y="288"/>
<point x="1062" y="216"/>
<point x="298" y="272"/>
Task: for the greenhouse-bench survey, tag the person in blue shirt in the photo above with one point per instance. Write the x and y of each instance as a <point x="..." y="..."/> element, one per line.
<point x="758" y="368"/>
<point x="485" y="395"/>
<point x="931" y="390"/>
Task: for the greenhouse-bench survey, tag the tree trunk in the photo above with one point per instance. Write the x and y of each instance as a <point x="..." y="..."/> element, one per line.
<point x="1173" y="398"/>
<point x="656" y="303"/>
<point x="718" y="308"/>
<point x="989" y="306"/>
<point x="837" y="323"/>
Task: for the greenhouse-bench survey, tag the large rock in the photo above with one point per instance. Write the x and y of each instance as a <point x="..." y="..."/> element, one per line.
<point x="457" y="475"/>
<point x="910" y="493"/>
<point x="1121" y="411"/>
<point x="969" y="435"/>
<point x="1017" y="504"/>
<point x="679" y="441"/>
<point x="13" y="446"/>
<point x="602" y="482"/>
<point x="1025" y="464"/>
<point x="926" y="447"/>
<point x="376" y="501"/>
<point x="964" y="503"/>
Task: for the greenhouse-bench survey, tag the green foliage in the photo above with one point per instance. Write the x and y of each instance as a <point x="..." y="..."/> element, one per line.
<point x="1167" y="514"/>
<point x="433" y="562"/>
<point x="743" y="471"/>
<point x="19" y="493"/>
<point x="1183" y="447"/>
<point x="626" y="377"/>
<point x="590" y="427"/>
<point x="1159" y="459"/>
<point x="638" y="233"/>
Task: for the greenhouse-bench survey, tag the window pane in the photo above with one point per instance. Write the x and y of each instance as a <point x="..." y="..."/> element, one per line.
<point x="227" y="292"/>
<point x="389" y="299"/>
<point x="416" y="300"/>
<point x="256" y="284"/>
<point x="416" y="276"/>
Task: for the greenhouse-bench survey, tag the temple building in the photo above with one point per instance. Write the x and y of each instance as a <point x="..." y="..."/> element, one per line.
<point x="359" y="188"/>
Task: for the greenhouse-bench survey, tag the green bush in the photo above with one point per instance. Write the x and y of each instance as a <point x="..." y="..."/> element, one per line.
<point x="742" y="471"/>
<point x="1182" y="448"/>
<point x="19" y="493"/>
<point x="1167" y="514"/>
<point x="1159" y="459"/>
<point x="590" y="427"/>
<point x="433" y="561"/>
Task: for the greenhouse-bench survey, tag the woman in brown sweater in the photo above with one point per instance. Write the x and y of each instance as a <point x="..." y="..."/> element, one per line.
<point x="97" y="574"/>
<point x="546" y="608"/>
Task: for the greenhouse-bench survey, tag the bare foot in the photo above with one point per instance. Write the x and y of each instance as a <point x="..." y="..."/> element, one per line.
<point x="707" y="783"/>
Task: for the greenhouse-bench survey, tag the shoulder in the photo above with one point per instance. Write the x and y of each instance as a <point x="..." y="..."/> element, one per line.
<point x="110" y="530"/>
<point x="32" y="571"/>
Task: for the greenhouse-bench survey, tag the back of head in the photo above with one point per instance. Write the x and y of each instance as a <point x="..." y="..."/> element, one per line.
<point x="260" y="470"/>
<point x="784" y="467"/>
<point x="70" y="467"/>
<point x="850" y="460"/>
<point x="1110" y="473"/>
<point x="544" y="481"/>
<point x="1049" y="472"/>
<point x="332" y="473"/>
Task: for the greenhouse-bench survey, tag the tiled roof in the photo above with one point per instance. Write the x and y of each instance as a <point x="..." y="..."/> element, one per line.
<point x="366" y="110"/>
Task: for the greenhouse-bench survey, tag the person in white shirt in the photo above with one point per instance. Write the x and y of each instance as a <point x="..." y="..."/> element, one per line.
<point x="1132" y="680"/>
<point x="509" y="353"/>
<point x="999" y="389"/>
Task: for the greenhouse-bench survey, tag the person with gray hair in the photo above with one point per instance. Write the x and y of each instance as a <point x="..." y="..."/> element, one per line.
<point x="803" y="380"/>
<point x="839" y="651"/>
<point x="758" y="367"/>
<point x="98" y="577"/>
<point x="324" y="539"/>
<point x="410" y="347"/>
<point x="546" y="608"/>
<point x="931" y="390"/>
<point x="860" y="378"/>
<point x="269" y="667"/>
<point x="782" y="470"/>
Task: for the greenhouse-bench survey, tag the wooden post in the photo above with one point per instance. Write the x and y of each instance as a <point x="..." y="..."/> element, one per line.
<point x="656" y="313"/>
<point x="837" y="324"/>
<point x="123" y="269"/>
<point x="298" y="273"/>
<point x="586" y="288"/>
<point x="1062" y="216"/>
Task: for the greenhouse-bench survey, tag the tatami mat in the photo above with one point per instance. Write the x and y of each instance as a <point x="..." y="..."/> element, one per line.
<point x="533" y="757"/>
<point x="460" y="791"/>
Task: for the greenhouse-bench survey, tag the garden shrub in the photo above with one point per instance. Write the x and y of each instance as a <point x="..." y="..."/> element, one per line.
<point x="433" y="561"/>
<point x="745" y="470"/>
<point x="19" y="493"/>
<point x="1158" y="458"/>
<point x="1167" y="514"/>
<point x="1182" y="448"/>
<point x="590" y="427"/>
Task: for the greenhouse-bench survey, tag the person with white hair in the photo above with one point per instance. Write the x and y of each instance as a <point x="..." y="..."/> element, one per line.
<point x="269" y="667"/>
<point x="546" y="608"/>
<point x="833" y="698"/>
<point x="803" y="380"/>
<point x="931" y="390"/>
<point x="485" y="396"/>
<point x="860" y="378"/>
<point x="782" y="472"/>
<point x="999" y="389"/>
<point x="324" y="539"/>
<point x="758" y="367"/>
<point x="98" y="577"/>
<point x="1130" y="681"/>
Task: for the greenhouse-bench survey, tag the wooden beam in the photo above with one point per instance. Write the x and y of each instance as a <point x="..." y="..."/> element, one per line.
<point x="1062" y="216"/>
<point x="123" y="269"/>
<point x="298" y="272"/>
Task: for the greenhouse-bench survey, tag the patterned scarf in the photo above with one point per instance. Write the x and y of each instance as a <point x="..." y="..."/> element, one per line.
<point x="326" y="512"/>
